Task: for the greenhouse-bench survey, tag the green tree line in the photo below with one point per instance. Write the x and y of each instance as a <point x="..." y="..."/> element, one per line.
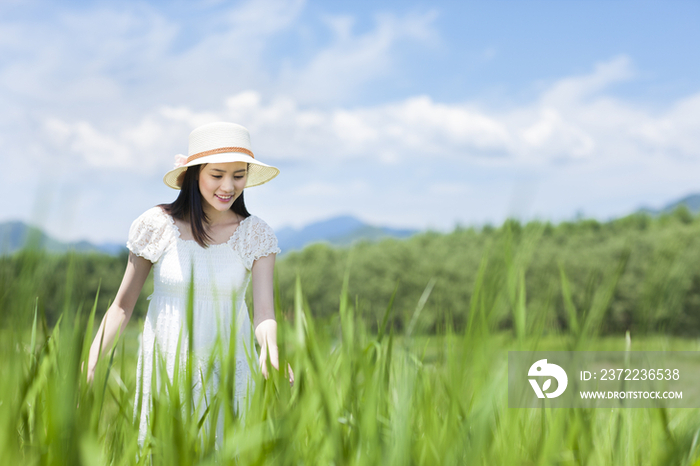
<point x="653" y="264"/>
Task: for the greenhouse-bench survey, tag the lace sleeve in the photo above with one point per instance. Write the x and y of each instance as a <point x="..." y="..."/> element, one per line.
<point x="258" y="240"/>
<point x="150" y="234"/>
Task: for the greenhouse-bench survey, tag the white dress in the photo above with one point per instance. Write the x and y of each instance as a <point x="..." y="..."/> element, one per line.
<point x="221" y="276"/>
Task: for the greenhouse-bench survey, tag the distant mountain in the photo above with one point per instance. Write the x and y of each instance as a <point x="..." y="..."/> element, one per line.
<point x="692" y="202"/>
<point x="16" y="235"/>
<point x="339" y="231"/>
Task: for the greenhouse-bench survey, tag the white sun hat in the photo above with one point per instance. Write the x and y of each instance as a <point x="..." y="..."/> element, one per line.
<point x="220" y="143"/>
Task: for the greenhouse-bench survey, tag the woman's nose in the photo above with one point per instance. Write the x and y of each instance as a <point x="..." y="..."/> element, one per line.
<point x="227" y="184"/>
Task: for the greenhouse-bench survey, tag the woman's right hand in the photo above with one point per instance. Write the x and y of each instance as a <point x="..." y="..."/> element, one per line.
<point x="119" y="313"/>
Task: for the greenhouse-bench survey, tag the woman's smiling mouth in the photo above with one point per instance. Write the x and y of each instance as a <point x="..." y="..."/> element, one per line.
<point x="223" y="198"/>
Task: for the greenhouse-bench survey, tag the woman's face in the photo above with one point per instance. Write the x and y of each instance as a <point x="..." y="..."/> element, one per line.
<point x="221" y="183"/>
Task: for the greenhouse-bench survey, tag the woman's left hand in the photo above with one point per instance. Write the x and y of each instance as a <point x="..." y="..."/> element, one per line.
<point x="266" y="334"/>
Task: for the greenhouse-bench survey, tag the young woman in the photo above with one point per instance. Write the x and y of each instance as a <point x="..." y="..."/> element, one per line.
<point x="208" y="239"/>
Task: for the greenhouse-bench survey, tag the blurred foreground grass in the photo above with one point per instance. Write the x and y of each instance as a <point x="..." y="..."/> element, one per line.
<point x="360" y="397"/>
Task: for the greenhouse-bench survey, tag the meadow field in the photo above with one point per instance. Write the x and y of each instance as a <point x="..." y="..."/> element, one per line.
<point x="416" y="380"/>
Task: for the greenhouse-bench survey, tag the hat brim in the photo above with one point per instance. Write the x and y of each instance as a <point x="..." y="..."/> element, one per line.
<point x="258" y="172"/>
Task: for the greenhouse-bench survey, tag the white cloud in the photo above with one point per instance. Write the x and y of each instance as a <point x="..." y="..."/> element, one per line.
<point x="125" y="100"/>
<point x="95" y="148"/>
<point x="676" y="132"/>
<point x="583" y="125"/>
<point x="131" y="57"/>
<point x="83" y="57"/>
<point x="551" y="134"/>
<point x="350" y="61"/>
<point x="573" y="90"/>
<point x="127" y="96"/>
<point x="137" y="149"/>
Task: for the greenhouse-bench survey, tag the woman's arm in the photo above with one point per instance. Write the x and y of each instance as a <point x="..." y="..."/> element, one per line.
<point x="119" y="313"/>
<point x="264" y="312"/>
<point x="263" y="301"/>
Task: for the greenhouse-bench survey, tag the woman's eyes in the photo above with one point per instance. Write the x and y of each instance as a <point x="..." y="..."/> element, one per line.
<point x="237" y="177"/>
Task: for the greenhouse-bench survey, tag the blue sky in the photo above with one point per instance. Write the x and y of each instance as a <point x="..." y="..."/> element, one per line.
<point x="407" y="114"/>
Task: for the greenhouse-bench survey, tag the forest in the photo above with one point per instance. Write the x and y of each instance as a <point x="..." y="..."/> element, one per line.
<point x="651" y="266"/>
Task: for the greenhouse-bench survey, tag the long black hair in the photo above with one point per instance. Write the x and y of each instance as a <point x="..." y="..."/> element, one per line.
<point x="188" y="206"/>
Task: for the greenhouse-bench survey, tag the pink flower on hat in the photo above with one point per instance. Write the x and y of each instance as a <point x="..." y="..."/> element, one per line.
<point x="180" y="160"/>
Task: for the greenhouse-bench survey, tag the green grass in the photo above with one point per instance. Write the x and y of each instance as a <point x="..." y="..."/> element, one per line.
<point x="359" y="397"/>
